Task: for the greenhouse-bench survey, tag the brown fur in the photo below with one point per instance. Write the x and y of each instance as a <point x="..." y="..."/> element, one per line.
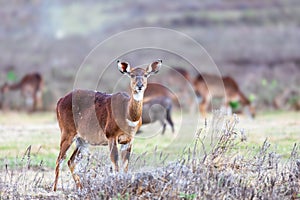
<point x="180" y="83"/>
<point x="30" y="86"/>
<point x="180" y="80"/>
<point x="158" y="90"/>
<point x="281" y="100"/>
<point x="184" y="73"/>
<point x="210" y="86"/>
<point x="96" y="118"/>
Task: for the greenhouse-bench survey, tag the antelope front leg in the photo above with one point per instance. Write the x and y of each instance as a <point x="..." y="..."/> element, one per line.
<point x="125" y="154"/>
<point x="112" y="144"/>
<point x="202" y="108"/>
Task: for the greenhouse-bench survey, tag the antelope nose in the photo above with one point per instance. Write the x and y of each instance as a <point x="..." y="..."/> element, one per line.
<point x="139" y="85"/>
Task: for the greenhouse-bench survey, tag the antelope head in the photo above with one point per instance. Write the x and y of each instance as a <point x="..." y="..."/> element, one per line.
<point x="138" y="77"/>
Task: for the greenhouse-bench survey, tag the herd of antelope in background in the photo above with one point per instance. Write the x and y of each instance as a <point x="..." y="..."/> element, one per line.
<point x="30" y="86"/>
<point x="96" y="118"/>
<point x="206" y="87"/>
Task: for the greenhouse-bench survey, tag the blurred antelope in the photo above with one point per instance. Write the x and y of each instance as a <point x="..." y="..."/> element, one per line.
<point x="180" y="80"/>
<point x="30" y="86"/>
<point x="287" y="99"/>
<point x="157" y="90"/>
<point x="183" y="72"/>
<point x="210" y="86"/>
<point x="158" y="109"/>
<point x="96" y="118"/>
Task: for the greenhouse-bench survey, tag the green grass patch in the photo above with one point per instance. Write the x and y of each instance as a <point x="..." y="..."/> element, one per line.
<point x="40" y="131"/>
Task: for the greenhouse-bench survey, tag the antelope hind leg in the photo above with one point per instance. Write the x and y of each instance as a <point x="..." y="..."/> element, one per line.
<point x="72" y="166"/>
<point x="64" y="146"/>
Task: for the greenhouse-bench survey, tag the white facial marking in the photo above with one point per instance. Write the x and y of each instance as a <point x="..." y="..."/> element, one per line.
<point x="132" y="123"/>
<point x="138" y="96"/>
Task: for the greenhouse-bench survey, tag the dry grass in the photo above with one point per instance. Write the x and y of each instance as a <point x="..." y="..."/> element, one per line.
<point x="212" y="168"/>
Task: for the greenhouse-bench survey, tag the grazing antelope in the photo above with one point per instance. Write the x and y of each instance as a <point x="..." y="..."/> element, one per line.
<point x="183" y="72"/>
<point x="96" y="118"/>
<point x="30" y="86"/>
<point x="179" y="83"/>
<point x="158" y="109"/>
<point x="287" y="99"/>
<point x="180" y="79"/>
<point x="210" y="86"/>
<point x="157" y="90"/>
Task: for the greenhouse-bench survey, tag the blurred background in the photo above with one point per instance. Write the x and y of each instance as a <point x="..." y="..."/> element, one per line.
<point x="256" y="42"/>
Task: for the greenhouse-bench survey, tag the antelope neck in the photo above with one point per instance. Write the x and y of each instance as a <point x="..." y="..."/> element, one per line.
<point x="135" y="109"/>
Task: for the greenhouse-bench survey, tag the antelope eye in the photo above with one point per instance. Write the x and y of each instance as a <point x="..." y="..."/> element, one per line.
<point x="132" y="76"/>
<point x="146" y="75"/>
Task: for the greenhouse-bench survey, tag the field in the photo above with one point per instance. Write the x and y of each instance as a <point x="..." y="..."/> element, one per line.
<point x="76" y="45"/>
<point x="30" y="145"/>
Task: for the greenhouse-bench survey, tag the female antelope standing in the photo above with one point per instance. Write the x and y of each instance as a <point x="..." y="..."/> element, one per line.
<point x="97" y="118"/>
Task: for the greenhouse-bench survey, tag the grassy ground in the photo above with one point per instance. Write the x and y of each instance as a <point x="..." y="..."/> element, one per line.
<point x="40" y="132"/>
<point x="280" y="128"/>
<point x="29" y="146"/>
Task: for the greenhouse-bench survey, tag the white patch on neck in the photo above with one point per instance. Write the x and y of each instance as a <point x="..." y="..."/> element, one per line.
<point x="132" y="123"/>
<point x="138" y="96"/>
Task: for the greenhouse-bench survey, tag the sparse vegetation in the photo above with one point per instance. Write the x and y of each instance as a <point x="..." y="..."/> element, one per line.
<point x="212" y="168"/>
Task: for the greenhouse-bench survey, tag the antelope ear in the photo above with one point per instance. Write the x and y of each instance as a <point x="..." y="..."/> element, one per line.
<point x="154" y="67"/>
<point x="123" y="67"/>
